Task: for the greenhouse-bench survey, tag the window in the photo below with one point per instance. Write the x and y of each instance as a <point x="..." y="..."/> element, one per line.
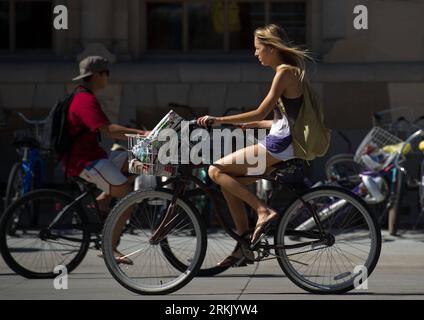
<point x="164" y="26"/>
<point x="205" y="20"/>
<point x="246" y="16"/>
<point x="26" y="25"/>
<point x="292" y="17"/>
<point x="219" y="25"/>
<point x="4" y="25"/>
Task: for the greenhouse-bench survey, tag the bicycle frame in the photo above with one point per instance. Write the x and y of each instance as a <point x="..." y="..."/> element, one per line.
<point x="31" y="157"/>
<point x="91" y="227"/>
<point x="186" y="177"/>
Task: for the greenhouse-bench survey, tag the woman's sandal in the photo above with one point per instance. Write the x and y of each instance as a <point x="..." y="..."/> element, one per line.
<point x="262" y="227"/>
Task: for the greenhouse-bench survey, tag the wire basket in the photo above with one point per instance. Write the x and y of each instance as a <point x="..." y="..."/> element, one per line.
<point x="396" y="121"/>
<point x="372" y="152"/>
<point x="143" y="157"/>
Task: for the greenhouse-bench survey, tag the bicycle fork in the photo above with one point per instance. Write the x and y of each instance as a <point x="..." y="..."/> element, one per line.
<point x="168" y="220"/>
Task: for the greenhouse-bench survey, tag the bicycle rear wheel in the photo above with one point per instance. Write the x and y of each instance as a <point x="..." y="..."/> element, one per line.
<point x="30" y="247"/>
<point x="153" y="270"/>
<point x="331" y="264"/>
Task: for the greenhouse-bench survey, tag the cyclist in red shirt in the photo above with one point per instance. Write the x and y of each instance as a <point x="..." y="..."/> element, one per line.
<point x="86" y="122"/>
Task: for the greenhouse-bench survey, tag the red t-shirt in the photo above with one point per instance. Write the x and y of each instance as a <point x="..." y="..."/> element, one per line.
<point x="85" y="114"/>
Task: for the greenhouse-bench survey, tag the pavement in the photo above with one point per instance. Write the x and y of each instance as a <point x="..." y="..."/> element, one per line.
<point x="398" y="275"/>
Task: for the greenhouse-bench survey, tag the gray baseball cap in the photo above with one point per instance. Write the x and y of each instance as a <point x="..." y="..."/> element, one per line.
<point x="92" y="65"/>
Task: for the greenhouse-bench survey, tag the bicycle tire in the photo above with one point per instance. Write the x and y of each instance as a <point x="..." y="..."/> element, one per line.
<point x="345" y="161"/>
<point x="342" y="270"/>
<point x="12" y="217"/>
<point x="156" y="200"/>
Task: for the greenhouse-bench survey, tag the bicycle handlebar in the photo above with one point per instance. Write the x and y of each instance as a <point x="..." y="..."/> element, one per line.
<point x="193" y="123"/>
<point x="400" y="152"/>
<point x="31" y="122"/>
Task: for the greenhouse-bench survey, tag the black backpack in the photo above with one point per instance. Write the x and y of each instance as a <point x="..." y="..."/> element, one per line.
<point x="56" y="134"/>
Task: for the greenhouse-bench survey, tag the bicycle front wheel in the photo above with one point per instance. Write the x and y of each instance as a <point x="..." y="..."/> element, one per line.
<point x="31" y="246"/>
<point x="335" y="262"/>
<point x="153" y="270"/>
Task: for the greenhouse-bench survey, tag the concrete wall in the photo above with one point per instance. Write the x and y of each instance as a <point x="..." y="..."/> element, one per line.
<point x="395" y="31"/>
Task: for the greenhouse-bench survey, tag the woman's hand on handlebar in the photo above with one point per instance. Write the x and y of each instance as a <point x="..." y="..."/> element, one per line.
<point x="207" y="121"/>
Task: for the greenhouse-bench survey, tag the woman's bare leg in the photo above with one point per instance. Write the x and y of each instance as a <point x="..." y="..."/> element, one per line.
<point x="237" y="207"/>
<point x="224" y="173"/>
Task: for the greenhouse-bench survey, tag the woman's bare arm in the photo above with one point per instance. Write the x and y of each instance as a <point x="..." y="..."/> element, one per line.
<point x="264" y="124"/>
<point x="116" y="131"/>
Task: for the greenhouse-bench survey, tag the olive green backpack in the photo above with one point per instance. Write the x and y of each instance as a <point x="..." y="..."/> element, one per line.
<point x="311" y="138"/>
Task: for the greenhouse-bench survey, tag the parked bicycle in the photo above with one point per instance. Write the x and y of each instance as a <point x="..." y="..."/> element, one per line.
<point x="345" y="170"/>
<point x="383" y="189"/>
<point x="414" y="141"/>
<point x="379" y="181"/>
<point x="26" y="174"/>
<point x="170" y="244"/>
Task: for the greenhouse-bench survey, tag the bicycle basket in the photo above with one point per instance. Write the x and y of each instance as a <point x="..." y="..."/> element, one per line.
<point x="370" y="152"/>
<point x="397" y="121"/>
<point x="143" y="157"/>
<point x="25" y="136"/>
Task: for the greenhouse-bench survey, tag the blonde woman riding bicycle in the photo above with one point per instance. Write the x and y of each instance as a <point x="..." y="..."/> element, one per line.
<point x="288" y="62"/>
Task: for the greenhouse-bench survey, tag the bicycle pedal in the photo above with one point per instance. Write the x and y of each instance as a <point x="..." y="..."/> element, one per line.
<point x="258" y="241"/>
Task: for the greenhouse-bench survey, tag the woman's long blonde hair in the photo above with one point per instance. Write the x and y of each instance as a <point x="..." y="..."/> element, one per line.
<point x="275" y="36"/>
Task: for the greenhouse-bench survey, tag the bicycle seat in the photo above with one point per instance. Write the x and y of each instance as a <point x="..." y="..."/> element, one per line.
<point x="83" y="184"/>
<point x="289" y="166"/>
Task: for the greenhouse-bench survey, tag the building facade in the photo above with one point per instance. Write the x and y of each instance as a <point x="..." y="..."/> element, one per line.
<point x="200" y="53"/>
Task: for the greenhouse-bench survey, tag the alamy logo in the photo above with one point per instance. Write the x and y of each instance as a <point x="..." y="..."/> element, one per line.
<point x="361" y="20"/>
<point x="199" y="146"/>
<point x="60" y="21"/>
<point x="61" y="281"/>
<point x="361" y="280"/>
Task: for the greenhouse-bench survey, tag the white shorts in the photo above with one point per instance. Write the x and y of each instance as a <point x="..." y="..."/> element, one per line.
<point x="105" y="173"/>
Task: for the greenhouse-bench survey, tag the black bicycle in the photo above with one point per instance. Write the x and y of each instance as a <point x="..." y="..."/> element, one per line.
<point x="321" y="239"/>
<point x="47" y="227"/>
